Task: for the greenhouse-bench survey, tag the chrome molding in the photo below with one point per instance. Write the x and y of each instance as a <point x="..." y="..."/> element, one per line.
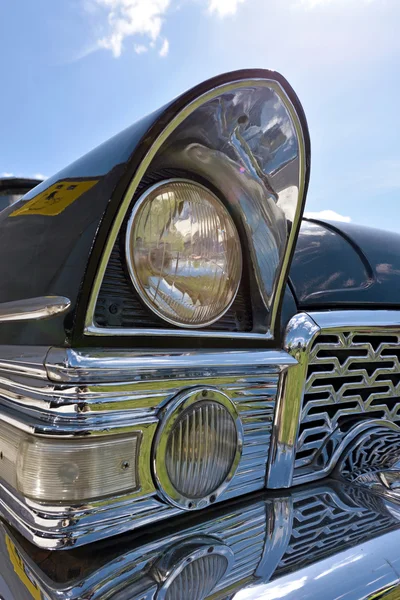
<point x="269" y="285"/>
<point x="96" y="365"/>
<point x="30" y="309"/>
<point x="90" y="392"/>
<point x="300" y="333"/>
<point x="381" y="334"/>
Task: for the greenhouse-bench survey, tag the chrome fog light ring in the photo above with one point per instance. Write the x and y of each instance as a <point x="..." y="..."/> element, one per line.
<point x="196" y="484"/>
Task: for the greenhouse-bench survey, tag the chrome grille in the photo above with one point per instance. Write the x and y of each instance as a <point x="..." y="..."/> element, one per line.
<point x="351" y="376"/>
<point x="375" y="451"/>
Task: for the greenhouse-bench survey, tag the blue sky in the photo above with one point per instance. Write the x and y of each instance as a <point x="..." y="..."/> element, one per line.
<point x="74" y="72"/>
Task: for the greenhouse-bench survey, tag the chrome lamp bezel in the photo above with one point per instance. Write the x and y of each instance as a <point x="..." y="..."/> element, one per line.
<point x="168" y="420"/>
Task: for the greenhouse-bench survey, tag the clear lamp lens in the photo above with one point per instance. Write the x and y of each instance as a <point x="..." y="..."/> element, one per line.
<point x="201" y="449"/>
<point x="74" y="470"/>
<point x="184" y="253"/>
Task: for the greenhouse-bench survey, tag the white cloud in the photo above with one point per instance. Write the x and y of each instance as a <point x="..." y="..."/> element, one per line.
<point x="5" y="174"/>
<point x="140" y="48"/>
<point x="223" y="8"/>
<point x="127" y="18"/>
<point x="164" y="48"/>
<point x="314" y="3"/>
<point x="131" y="17"/>
<point x="40" y="176"/>
<point x="328" y="214"/>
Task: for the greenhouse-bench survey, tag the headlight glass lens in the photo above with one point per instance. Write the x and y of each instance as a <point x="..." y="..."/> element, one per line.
<point x="183" y="253"/>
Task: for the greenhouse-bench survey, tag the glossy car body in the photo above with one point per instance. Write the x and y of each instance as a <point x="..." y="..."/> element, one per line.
<point x="305" y="377"/>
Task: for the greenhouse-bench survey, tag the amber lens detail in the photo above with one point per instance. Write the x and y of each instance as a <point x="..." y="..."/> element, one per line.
<point x="184" y="254"/>
<point x="201" y="449"/>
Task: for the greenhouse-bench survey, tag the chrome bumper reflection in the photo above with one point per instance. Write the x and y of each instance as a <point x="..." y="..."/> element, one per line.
<point x="328" y="541"/>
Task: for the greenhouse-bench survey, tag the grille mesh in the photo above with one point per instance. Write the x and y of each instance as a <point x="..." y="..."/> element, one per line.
<point x="376" y="451"/>
<point x="351" y="376"/>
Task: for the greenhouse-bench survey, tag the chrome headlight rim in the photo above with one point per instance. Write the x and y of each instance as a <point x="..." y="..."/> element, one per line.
<point x="141" y="200"/>
<point x="168" y="419"/>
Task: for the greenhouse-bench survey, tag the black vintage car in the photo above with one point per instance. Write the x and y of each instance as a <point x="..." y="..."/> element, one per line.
<point x="199" y="389"/>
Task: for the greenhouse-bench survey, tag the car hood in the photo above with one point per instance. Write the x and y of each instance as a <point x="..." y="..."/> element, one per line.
<point x="345" y="265"/>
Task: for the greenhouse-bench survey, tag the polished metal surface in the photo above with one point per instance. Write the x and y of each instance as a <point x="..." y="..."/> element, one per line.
<point x="102" y="392"/>
<point x="192" y="568"/>
<point x="33" y="308"/>
<point x="347" y="377"/>
<point x="300" y="332"/>
<point x="328" y="541"/>
<point x="252" y="151"/>
<point x="96" y="365"/>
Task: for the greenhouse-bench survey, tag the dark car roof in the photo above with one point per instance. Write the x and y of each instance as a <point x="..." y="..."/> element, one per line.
<point x="13" y="184"/>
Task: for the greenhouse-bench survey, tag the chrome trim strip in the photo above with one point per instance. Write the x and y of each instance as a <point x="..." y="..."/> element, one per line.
<point x="84" y="365"/>
<point x="360" y="320"/>
<point x="186" y="333"/>
<point x="23" y="360"/>
<point x="90" y="327"/>
<point x="29" y="309"/>
<point x="300" y="333"/>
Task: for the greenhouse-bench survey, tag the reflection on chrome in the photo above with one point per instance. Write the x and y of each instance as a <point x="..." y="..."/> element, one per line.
<point x="292" y="546"/>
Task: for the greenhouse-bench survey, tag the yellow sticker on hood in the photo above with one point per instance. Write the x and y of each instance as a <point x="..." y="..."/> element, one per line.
<point x="55" y="199"/>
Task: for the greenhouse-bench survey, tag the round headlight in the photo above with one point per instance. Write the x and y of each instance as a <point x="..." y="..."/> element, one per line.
<point x="198" y="448"/>
<point x="183" y="253"/>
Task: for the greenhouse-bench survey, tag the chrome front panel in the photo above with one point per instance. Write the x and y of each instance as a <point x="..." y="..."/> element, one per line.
<point x="297" y="425"/>
<point x="80" y="393"/>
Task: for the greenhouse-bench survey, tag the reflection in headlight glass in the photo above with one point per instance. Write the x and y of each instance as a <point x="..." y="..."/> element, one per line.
<point x="184" y="253"/>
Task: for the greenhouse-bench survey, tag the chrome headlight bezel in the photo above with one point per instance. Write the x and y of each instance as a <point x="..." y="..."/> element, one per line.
<point x="171" y="415"/>
<point x="144" y="198"/>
